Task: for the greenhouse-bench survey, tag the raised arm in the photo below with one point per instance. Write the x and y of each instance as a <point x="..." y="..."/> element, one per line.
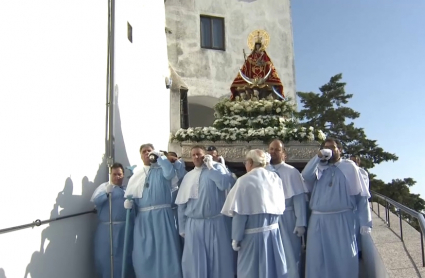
<point x="180" y="169"/>
<point x="168" y="170"/>
<point x="309" y="173"/>
<point x="221" y="177"/>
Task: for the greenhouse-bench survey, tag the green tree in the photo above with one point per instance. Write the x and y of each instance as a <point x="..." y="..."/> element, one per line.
<point x="327" y="111"/>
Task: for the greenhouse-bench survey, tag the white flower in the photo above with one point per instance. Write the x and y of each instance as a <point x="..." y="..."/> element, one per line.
<point x="321" y="135"/>
<point x="262" y="109"/>
<point x="278" y="110"/>
<point x="310" y="137"/>
<point x="311" y="128"/>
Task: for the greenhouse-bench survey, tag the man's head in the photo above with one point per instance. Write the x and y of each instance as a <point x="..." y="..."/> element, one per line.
<point x="117" y="174"/>
<point x="276" y="151"/>
<point x="356" y="159"/>
<point x="172" y="156"/>
<point x="197" y="153"/>
<point x="335" y="146"/>
<point x="145" y="149"/>
<point x="212" y="150"/>
<point x="254" y="159"/>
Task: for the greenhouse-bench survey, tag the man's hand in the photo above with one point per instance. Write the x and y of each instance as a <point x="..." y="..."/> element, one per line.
<point x="172" y="159"/>
<point x="268" y="157"/>
<point x="235" y="245"/>
<point x="182" y="234"/>
<point x="109" y="188"/>
<point x="299" y="231"/>
<point x="158" y="154"/>
<point x="325" y="153"/>
<point x="128" y="204"/>
<point x="208" y="160"/>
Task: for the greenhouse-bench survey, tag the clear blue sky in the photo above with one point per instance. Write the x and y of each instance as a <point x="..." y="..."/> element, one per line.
<point x="379" y="47"/>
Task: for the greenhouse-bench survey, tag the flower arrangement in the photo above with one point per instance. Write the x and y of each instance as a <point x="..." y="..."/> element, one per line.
<point x="251" y="120"/>
<point x="254" y="107"/>
<point x="265" y="134"/>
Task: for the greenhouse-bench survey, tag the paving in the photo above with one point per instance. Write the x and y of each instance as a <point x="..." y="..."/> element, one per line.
<point x="402" y="259"/>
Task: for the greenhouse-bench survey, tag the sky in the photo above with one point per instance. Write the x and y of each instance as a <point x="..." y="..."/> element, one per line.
<point x="379" y="47"/>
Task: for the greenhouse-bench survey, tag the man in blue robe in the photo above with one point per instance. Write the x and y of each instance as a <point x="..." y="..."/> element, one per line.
<point x="256" y="203"/>
<point x="207" y="251"/>
<point x="180" y="167"/>
<point x="338" y="189"/>
<point x="293" y="222"/>
<point x="157" y="249"/>
<point x="102" y="255"/>
<point x="365" y="176"/>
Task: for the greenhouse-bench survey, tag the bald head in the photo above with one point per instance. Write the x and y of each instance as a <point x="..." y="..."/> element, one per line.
<point x="276" y="151"/>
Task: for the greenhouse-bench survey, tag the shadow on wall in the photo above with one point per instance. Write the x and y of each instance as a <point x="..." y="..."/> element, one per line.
<point x="200" y="115"/>
<point x="2" y="274"/>
<point x="66" y="248"/>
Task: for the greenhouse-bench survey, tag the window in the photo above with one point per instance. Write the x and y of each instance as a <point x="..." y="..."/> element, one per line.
<point x="212" y="32"/>
<point x="184" y="110"/>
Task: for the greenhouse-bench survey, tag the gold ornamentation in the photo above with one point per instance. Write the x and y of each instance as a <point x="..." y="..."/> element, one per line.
<point x="258" y="36"/>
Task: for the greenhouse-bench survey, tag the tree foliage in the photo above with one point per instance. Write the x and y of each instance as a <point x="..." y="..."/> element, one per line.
<point x="327" y="111"/>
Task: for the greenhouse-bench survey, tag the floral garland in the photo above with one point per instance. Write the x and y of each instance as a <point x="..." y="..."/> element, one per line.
<point x="254" y="107"/>
<point x="199" y="134"/>
<point x="253" y="122"/>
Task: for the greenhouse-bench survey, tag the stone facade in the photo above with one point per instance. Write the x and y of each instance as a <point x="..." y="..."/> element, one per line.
<point x="209" y="73"/>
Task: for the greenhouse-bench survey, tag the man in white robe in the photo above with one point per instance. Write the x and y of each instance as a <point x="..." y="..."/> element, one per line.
<point x="293" y="222"/>
<point x="338" y="189"/>
<point x="207" y="251"/>
<point x="256" y="203"/>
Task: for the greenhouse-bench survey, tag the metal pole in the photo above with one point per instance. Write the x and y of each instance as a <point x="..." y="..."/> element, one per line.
<point x="111" y="243"/>
<point x="110" y="115"/>
<point x="401" y="224"/>
<point x="379" y="214"/>
<point x="126" y="236"/>
<point x="388" y="213"/>
<point x="422" y="248"/>
<point x="39" y="222"/>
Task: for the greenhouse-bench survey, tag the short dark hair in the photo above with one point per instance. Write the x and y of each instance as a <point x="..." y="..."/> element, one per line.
<point x="211" y="148"/>
<point x="198" y="147"/>
<point x="332" y="140"/>
<point x="278" y="140"/>
<point x="146" y="145"/>
<point x="173" y="154"/>
<point x="358" y="160"/>
<point x="117" y="165"/>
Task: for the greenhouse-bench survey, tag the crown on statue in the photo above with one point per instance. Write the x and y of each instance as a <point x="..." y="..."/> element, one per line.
<point x="259" y="38"/>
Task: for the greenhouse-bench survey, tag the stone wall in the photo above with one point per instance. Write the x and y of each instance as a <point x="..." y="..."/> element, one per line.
<point x="210" y="72"/>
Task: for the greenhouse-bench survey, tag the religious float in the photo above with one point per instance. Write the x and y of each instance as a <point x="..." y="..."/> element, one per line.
<point x="256" y="112"/>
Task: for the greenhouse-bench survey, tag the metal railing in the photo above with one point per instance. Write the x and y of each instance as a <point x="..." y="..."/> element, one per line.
<point x="39" y="222"/>
<point x="401" y="208"/>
